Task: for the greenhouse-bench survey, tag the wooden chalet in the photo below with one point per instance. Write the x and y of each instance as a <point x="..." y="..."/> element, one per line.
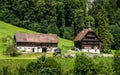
<point x="87" y="41"/>
<point x="36" y="42"/>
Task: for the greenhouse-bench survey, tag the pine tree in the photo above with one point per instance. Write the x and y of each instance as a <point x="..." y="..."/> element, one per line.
<point x="103" y="31"/>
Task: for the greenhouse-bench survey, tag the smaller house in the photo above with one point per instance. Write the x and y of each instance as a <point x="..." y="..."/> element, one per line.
<point x="87" y="41"/>
<point x="36" y="42"/>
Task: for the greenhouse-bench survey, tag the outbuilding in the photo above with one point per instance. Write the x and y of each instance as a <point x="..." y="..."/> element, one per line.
<point x="87" y="41"/>
<point x="36" y="42"/>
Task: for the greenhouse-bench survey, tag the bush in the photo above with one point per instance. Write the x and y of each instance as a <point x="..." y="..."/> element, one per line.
<point x="12" y="51"/>
<point x="83" y="65"/>
<point x="44" y="66"/>
<point x="54" y="54"/>
<point x="6" y="71"/>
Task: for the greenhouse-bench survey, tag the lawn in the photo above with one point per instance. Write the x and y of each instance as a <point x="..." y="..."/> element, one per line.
<point x="65" y="44"/>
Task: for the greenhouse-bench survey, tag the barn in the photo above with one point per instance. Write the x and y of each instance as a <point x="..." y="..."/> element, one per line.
<point x="87" y="41"/>
<point x="36" y="42"/>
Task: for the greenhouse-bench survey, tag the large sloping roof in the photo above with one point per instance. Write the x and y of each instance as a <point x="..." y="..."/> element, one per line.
<point x="38" y="38"/>
<point x="83" y="33"/>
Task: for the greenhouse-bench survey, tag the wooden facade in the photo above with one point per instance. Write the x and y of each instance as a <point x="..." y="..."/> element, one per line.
<point x="36" y="42"/>
<point x="88" y="41"/>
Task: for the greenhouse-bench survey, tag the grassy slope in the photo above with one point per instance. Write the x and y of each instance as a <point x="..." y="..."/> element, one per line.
<point x="8" y="29"/>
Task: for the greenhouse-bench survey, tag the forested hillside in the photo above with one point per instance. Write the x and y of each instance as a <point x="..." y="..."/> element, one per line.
<point x="66" y="17"/>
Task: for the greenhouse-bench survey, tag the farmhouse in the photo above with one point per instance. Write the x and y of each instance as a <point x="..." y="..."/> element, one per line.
<point x="36" y="42"/>
<point x="87" y="41"/>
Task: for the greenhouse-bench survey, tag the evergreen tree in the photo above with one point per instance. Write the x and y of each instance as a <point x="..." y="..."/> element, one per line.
<point x="78" y="22"/>
<point x="60" y="16"/>
<point x="103" y="31"/>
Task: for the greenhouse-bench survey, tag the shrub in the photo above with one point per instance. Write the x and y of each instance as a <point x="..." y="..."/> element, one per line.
<point x="12" y="50"/>
<point x="83" y="65"/>
<point x="44" y="66"/>
<point x="54" y="54"/>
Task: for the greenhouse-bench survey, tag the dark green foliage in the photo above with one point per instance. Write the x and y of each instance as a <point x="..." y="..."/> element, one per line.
<point x="78" y="21"/>
<point x="68" y="33"/>
<point x="115" y="31"/>
<point x="89" y="20"/>
<point x="83" y="65"/>
<point x="21" y="71"/>
<point x="116" y="63"/>
<point x="53" y="29"/>
<point x="6" y="71"/>
<point x="103" y="68"/>
<point x="103" y="31"/>
<point x="44" y="66"/>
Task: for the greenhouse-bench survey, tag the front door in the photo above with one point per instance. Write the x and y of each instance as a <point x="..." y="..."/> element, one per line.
<point x="44" y="50"/>
<point x="33" y="50"/>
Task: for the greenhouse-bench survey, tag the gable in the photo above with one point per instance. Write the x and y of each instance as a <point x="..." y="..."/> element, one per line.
<point x="91" y="36"/>
<point x="88" y="34"/>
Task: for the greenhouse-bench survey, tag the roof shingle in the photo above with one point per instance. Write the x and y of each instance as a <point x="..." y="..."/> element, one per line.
<point x="82" y="34"/>
<point x="38" y="38"/>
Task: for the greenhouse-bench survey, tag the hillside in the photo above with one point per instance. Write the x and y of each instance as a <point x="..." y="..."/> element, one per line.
<point x="8" y="29"/>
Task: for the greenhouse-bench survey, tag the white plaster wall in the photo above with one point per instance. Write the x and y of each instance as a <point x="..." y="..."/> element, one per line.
<point x="53" y="49"/>
<point x="90" y="50"/>
<point x="30" y="49"/>
<point x="27" y="49"/>
<point x="40" y="50"/>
